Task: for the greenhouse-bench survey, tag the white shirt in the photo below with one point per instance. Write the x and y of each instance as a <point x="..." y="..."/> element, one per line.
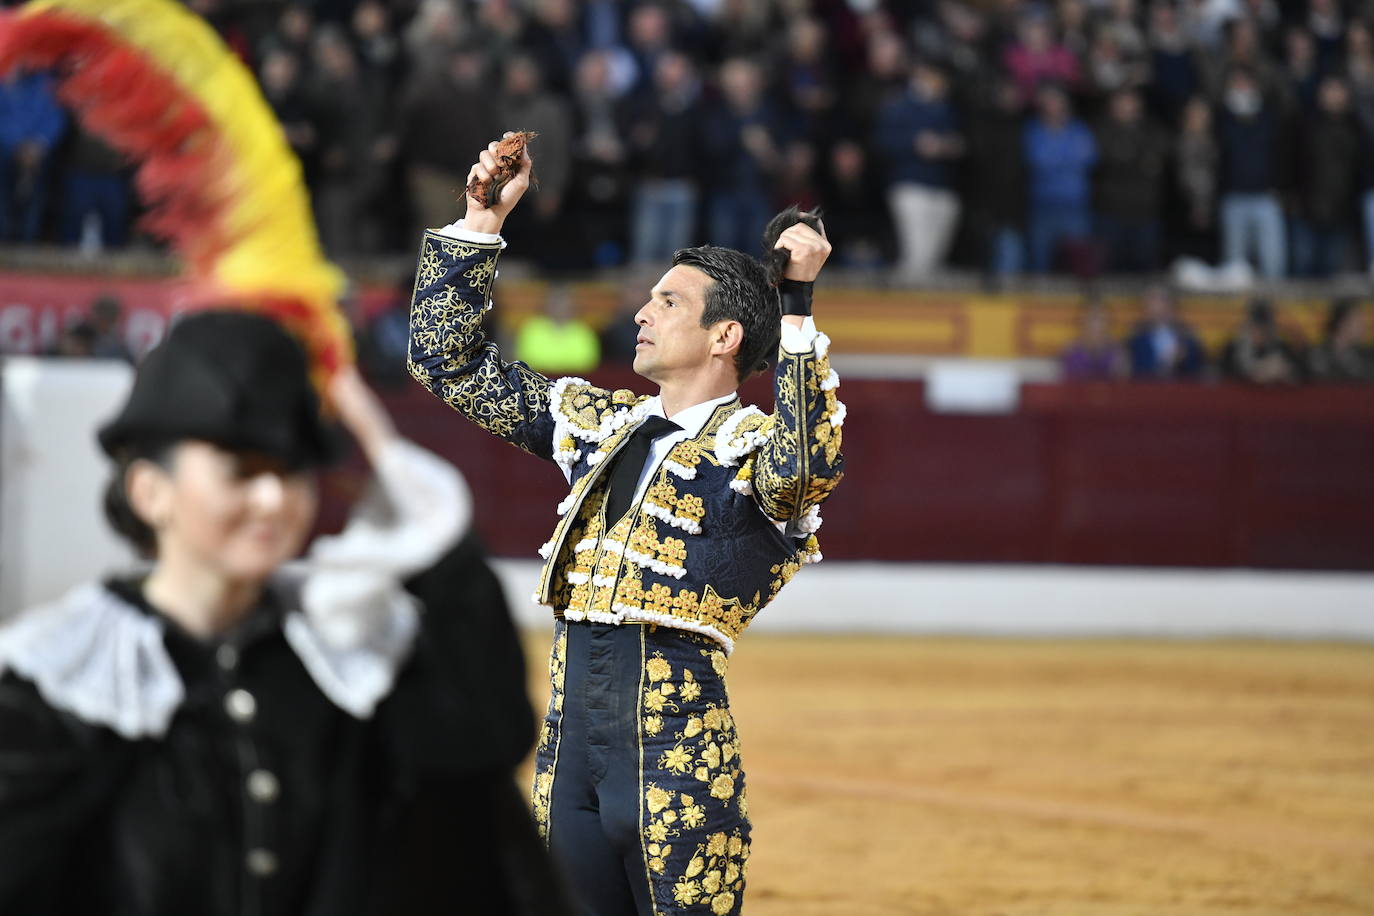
<point x="692" y="419"/>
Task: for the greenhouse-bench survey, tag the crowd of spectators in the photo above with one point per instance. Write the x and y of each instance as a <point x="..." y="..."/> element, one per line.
<point x="1008" y="136"/>
<point x="1262" y="351"/>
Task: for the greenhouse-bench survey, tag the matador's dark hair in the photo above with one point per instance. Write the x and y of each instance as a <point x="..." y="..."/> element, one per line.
<point x="746" y="290"/>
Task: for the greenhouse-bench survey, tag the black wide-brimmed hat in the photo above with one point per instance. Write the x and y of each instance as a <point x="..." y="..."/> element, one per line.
<point x="233" y="378"/>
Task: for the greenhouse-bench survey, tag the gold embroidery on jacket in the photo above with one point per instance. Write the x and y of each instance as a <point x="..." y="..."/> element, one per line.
<point x="706" y="749"/>
<point x="543" y="779"/>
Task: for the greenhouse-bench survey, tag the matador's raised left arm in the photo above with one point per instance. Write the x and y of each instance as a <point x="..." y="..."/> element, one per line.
<point x="794" y="455"/>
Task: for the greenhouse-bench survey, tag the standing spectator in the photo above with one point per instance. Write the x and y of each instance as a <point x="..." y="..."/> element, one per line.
<point x="649" y="34"/>
<point x="1258" y="353"/>
<point x="1060" y="153"/>
<point x="292" y="32"/>
<point x="1173" y="69"/>
<point x="284" y="90"/>
<point x="354" y="147"/>
<point x="1300" y="71"/>
<point x="1162" y="346"/>
<point x="1359" y="72"/>
<point x="855" y="213"/>
<point x="440" y="114"/>
<point x="741" y="28"/>
<point x="1249" y="136"/>
<point x="30" y="124"/>
<point x="1094" y="356"/>
<point x="883" y="78"/>
<point x="1343" y="355"/>
<point x="996" y="180"/>
<point x="95" y="195"/>
<point x="1121" y="21"/>
<point x="1328" y="183"/>
<point x="600" y="181"/>
<point x="1243" y="49"/>
<point x="553" y="37"/>
<point x="956" y="38"/>
<point x="1071" y="16"/>
<point x="1195" y="178"/>
<point x="525" y="105"/>
<point x="744" y="144"/>
<point x="919" y="139"/>
<point x="1327" y="25"/>
<point x="1035" y="58"/>
<point x="663" y="131"/>
<point x="499" y="25"/>
<point x="1359" y="58"/>
<point x="379" y="49"/>
<point x="1110" y="69"/>
<point x="1132" y="157"/>
<point x="808" y="87"/>
<point x="434" y="33"/>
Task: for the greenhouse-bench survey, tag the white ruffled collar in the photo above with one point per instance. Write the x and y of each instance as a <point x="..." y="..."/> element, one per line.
<point x="94" y="655"/>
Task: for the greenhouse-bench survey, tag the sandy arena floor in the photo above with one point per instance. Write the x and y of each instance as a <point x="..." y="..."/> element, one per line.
<point x="1016" y="777"/>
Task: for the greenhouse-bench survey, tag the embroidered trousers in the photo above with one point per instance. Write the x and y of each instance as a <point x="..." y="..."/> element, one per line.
<point x="638" y="787"/>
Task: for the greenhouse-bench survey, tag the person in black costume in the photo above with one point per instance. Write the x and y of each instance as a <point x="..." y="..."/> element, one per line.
<point x="230" y="733"/>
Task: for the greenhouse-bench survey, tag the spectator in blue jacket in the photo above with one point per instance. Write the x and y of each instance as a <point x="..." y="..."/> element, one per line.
<point x="919" y="139"/>
<point x="1162" y="346"/>
<point x="1248" y="133"/>
<point x="30" y="125"/>
<point x="1060" y="154"/>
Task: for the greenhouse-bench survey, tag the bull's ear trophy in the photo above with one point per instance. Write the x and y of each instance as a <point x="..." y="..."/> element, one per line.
<point x="215" y="173"/>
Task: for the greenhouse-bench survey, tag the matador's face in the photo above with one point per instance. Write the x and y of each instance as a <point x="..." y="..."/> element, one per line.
<point x="672" y="342"/>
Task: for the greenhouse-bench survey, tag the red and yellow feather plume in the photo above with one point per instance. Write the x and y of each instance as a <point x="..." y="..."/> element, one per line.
<point x="155" y="82"/>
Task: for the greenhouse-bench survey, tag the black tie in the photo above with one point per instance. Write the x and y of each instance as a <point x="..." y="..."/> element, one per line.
<point x="629" y="464"/>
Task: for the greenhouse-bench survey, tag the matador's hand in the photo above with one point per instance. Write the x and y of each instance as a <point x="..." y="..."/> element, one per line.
<point x="481" y="218"/>
<point x="807" y="250"/>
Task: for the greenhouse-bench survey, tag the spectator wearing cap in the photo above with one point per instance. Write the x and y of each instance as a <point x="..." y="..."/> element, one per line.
<point x="1249" y="135"/>
<point x="1060" y="153"/>
<point x="919" y="138"/>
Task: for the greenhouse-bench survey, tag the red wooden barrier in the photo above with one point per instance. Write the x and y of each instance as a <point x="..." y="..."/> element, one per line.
<point x="1175" y="475"/>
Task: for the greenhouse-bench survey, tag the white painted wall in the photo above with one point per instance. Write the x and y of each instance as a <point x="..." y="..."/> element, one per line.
<point x="979" y="599"/>
<point x="52" y="476"/>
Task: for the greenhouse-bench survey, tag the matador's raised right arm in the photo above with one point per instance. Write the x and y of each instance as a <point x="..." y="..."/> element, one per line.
<point x="451" y="356"/>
